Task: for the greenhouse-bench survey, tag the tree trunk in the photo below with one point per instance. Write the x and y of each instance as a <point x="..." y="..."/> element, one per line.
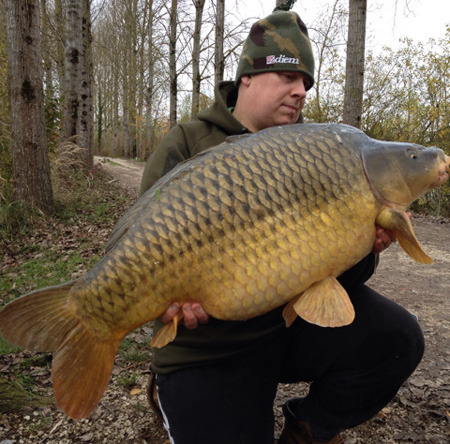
<point x="354" y="72"/>
<point x="219" y="62"/>
<point x="100" y="113"/>
<point x="126" y="138"/>
<point x="140" y="125"/>
<point x="60" y="44"/>
<point x="131" y="72"/>
<point x="173" y="64"/>
<point x="86" y="131"/>
<point x="149" y="90"/>
<point x="31" y="166"/>
<point x="196" y="80"/>
<point x="46" y="51"/>
<point x="114" y="118"/>
<point x="78" y="116"/>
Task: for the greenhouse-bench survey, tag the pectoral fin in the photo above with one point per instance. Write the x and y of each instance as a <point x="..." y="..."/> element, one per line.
<point x="167" y="333"/>
<point x="400" y="224"/>
<point x="325" y="303"/>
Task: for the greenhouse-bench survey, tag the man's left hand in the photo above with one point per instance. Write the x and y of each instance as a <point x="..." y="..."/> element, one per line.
<point x="383" y="239"/>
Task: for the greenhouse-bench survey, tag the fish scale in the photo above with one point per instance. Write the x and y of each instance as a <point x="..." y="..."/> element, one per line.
<point x="255" y="223"/>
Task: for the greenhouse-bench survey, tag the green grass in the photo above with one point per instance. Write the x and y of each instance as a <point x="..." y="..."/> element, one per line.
<point x="44" y="423"/>
<point x="16" y="217"/>
<point x="127" y="380"/>
<point x="47" y="268"/>
<point x="132" y="352"/>
<point x="6" y="348"/>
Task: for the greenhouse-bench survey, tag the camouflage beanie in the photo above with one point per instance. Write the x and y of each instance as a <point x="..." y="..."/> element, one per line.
<point x="278" y="42"/>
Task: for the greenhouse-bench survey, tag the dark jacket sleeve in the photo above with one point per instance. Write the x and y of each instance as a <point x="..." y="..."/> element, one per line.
<point x="172" y="150"/>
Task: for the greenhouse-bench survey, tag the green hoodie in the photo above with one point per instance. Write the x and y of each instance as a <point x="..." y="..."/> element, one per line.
<point x="217" y="340"/>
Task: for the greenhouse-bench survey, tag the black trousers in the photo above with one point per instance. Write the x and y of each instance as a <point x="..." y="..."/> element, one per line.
<point x="354" y="372"/>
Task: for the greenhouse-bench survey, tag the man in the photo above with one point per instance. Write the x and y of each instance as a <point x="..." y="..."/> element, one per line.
<point x="217" y="381"/>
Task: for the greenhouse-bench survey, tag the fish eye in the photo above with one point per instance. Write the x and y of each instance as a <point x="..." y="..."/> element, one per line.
<point x="413" y="154"/>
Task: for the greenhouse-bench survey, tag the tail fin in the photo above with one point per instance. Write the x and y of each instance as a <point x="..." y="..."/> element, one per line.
<point x="82" y="363"/>
<point x="39" y="320"/>
<point x="81" y="370"/>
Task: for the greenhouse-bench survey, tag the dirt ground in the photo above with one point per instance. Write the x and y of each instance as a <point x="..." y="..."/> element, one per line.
<point x="420" y="412"/>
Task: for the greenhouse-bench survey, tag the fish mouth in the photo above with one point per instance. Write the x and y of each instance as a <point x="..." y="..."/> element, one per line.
<point x="443" y="172"/>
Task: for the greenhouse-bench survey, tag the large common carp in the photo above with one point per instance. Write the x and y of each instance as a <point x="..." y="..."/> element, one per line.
<point x="242" y="228"/>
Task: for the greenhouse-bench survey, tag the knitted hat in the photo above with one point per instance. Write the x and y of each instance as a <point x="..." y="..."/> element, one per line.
<point x="278" y="42"/>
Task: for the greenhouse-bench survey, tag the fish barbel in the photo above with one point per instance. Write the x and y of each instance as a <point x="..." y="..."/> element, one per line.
<point x="255" y="223"/>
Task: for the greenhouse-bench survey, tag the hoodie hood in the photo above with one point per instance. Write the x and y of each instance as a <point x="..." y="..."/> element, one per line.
<point x="219" y="114"/>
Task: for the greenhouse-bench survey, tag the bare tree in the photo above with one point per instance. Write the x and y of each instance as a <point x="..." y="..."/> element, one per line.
<point x="31" y="166"/>
<point x="354" y="72"/>
<point x="328" y="40"/>
<point x="219" y="60"/>
<point x="144" y="51"/>
<point x="78" y="116"/>
<point x="150" y="83"/>
<point x="46" y="51"/>
<point x="196" y="79"/>
<point x="173" y="64"/>
<point x="60" y="34"/>
<point x="129" y="77"/>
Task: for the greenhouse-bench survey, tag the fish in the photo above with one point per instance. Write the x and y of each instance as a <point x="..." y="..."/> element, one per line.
<point x="257" y="222"/>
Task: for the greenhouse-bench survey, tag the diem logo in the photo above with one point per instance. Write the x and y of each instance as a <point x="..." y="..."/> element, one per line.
<point x="271" y="60"/>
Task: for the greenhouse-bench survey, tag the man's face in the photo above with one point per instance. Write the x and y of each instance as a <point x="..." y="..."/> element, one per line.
<point x="274" y="98"/>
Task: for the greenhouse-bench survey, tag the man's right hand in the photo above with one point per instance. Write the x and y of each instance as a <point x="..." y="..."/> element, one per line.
<point x="193" y="314"/>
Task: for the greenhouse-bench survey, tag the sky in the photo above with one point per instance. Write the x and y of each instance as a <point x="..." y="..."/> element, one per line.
<point x="420" y="20"/>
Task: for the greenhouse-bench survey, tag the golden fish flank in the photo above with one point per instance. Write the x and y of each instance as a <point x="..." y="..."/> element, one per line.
<point x="250" y="225"/>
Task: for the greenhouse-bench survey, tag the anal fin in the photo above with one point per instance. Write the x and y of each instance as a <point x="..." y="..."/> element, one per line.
<point x="167" y="333"/>
<point x="325" y="303"/>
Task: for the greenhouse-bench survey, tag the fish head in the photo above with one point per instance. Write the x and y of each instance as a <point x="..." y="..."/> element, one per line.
<point x="399" y="173"/>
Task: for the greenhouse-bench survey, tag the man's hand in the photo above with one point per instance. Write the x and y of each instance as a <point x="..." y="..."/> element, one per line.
<point x="193" y="314"/>
<point x="384" y="238"/>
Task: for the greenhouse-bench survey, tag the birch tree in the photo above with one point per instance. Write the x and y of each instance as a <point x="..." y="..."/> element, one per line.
<point x="31" y="166"/>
